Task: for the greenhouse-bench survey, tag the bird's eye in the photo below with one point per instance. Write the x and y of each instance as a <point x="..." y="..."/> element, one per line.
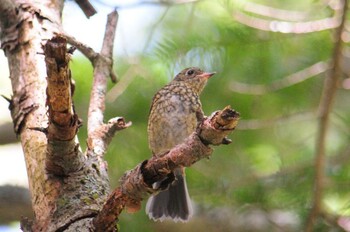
<point x="190" y="72"/>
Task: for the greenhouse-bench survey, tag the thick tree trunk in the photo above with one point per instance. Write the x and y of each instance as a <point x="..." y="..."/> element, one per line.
<point x="59" y="200"/>
<point x="22" y="40"/>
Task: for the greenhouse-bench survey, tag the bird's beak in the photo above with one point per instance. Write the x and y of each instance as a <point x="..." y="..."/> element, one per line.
<point x="206" y="75"/>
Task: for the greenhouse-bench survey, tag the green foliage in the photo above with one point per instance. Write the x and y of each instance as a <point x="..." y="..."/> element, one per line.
<point x="269" y="167"/>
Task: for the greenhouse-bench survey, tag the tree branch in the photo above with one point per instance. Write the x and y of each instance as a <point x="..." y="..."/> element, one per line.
<point x="86" y="7"/>
<point x="83" y="48"/>
<point x="98" y="139"/>
<point x="325" y="108"/>
<point x="63" y="157"/>
<point x="102" y="67"/>
<point x="272" y="12"/>
<point x="285" y="26"/>
<point x="63" y="122"/>
<point x="102" y="61"/>
<point x="136" y="184"/>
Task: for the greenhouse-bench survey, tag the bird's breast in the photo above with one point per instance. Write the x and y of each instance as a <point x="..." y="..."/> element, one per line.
<point x="172" y="119"/>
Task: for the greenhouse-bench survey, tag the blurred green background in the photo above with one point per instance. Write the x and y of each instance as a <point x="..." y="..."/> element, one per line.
<point x="263" y="181"/>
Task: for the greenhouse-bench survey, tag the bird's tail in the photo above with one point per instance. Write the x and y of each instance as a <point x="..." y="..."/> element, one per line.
<point x="173" y="203"/>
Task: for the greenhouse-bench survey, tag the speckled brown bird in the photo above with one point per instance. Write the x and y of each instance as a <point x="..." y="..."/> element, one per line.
<point x="175" y="112"/>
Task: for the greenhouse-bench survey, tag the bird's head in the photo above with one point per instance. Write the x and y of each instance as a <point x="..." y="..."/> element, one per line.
<point x="194" y="77"/>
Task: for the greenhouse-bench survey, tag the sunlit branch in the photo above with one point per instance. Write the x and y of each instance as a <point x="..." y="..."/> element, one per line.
<point x="268" y="11"/>
<point x="100" y="133"/>
<point x="285" y="26"/>
<point x="295" y="78"/>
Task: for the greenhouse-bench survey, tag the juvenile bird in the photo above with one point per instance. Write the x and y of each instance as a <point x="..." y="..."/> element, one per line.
<point x="175" y="112"/>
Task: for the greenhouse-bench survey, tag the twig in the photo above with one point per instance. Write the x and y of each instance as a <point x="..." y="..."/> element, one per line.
<point x="100" y="134"/>
<point x="101" y="71"/>
<point x="325" y="108"/>
<point x="137" y="184"/>
<point x="85" y="49"/>
<point x="295" y="78"/>
<point x="86" y="7"/>
<point x="106" y="55"/>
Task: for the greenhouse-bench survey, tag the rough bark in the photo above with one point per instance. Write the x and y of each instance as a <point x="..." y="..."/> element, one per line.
<point x="23" y="37"/>
<point x="69" y="188"/>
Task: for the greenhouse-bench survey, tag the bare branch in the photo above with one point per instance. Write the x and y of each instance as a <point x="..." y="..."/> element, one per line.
<point x="86" y="7"/>
<point x="285" y="26"/>
<point x="325" y="108"/>
<point x="108" y="41"/>
<point x="295" y="78"/>
<point x="100" y="138"/>
<point x="100" y="134"/>
<point x="272" y="12"/>
<point x="102" y="67"/>
<point x="137" y="183"/>
<point x="63" y="123"/>
<point x="63" y="156"/>
<point x="83" y="48"/>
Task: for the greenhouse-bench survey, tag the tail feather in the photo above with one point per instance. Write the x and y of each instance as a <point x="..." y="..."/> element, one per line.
<point x="173" y="203"/>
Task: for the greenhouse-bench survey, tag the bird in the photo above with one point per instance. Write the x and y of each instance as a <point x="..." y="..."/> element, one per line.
<point x="175" y="113"/>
